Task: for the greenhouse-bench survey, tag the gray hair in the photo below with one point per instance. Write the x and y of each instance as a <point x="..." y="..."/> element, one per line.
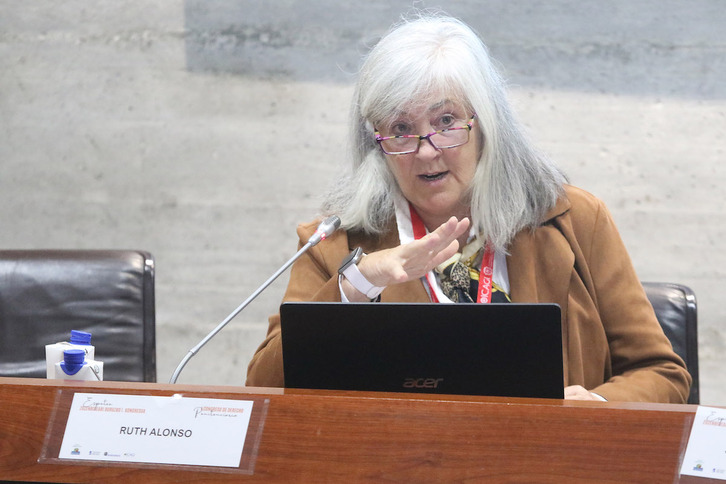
<point x="514" y="185"/>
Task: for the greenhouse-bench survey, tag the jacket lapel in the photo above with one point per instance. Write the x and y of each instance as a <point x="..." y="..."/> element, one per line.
<point x="540" y="266"/>
<point x="540" y="262"/>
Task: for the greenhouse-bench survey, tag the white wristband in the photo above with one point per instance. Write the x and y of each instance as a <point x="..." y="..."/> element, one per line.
<point x="360" y="283"/>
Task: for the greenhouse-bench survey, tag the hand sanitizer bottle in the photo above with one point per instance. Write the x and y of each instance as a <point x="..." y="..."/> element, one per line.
<point x="54" y="352"/>
<point x="75" y="367"/>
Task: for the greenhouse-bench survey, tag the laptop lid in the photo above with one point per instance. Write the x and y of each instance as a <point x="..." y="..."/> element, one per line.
<point x="511" y="350"/>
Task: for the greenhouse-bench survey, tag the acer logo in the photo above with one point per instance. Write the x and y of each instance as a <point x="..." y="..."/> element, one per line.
<point x="422" y="382"/>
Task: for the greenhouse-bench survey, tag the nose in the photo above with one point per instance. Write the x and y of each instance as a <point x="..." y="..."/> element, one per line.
<point x="427" y="149"/>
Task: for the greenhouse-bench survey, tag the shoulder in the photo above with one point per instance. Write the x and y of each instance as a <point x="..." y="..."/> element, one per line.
<point x="307" y="229"/>
<point x="581" y="217"/>
<point x="337" y="239"/>
<point x="585" y="221"/>
<point x="351" y="238"/>
<point x="577" y="204"/>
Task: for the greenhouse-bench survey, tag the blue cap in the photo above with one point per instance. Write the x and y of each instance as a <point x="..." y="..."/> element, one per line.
<point x="80" y="338"/>
<point x="72" y="361"/>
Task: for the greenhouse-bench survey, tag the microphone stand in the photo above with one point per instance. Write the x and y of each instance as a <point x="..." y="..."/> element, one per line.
<point x="327" y="227"/>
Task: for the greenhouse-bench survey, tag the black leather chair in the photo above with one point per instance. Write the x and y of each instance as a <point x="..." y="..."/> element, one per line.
<point x="675" y="307"/>
<point x="44" y="294"/>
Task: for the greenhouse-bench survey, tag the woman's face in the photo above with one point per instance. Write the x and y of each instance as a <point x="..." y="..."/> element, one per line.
<point x="435" y="181"/>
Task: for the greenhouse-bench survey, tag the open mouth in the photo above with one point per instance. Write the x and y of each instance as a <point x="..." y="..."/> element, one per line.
<point x="434" y="176"/>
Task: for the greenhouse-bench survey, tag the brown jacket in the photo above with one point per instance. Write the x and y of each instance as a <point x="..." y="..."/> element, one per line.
<point x="612" y="342"/>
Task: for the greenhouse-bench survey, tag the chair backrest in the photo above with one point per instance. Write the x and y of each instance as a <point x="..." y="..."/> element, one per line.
<point x="675" y="308"/>
<point x="44" y="294"/>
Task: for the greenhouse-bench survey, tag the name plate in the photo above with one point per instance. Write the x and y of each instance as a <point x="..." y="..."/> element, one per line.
<point x="706" y="450"/>
<point x="156" y="430"/>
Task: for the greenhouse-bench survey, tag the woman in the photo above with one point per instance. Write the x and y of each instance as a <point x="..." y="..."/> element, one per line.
<point x="446" y="200"/>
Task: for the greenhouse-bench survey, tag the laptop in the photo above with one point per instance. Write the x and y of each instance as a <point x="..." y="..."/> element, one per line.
<point x="509" y="350"/>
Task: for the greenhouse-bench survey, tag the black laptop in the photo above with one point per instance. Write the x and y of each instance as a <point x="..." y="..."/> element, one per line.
<point x="510" y="350"/>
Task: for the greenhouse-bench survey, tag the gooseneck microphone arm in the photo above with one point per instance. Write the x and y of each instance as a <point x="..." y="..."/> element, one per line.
<point x="324" y="230"/>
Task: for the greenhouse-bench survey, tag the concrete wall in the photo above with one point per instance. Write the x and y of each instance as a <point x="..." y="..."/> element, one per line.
<point x="204" y="130"/>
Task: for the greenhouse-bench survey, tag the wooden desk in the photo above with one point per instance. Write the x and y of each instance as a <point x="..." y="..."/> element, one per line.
<point x="317" y="436"/>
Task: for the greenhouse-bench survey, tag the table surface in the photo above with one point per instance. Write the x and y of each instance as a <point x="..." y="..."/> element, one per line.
<point x="333" y="436"/>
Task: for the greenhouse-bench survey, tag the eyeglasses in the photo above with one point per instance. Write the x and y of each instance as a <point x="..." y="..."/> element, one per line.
<point x="441" y="139"/>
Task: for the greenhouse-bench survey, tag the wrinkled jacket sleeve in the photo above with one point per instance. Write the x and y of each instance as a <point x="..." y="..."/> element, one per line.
<point x="644" y="366"/>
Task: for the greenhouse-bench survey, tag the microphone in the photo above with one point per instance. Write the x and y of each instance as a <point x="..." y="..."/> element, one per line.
<point x="324" y="230"/>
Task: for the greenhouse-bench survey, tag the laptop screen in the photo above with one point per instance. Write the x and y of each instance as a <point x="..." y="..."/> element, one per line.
<point x="510" y="350"/>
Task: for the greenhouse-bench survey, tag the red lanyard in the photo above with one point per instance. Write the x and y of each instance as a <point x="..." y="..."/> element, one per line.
<point x="484" y="292"/>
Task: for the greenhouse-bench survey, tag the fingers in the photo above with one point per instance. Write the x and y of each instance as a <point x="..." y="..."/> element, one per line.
<point x="462" y="226"/>
<point x="443" y="255"/>
<point x="414" y="260"/>
<point x="577" y="392"/>
<point x="453" y="227"/>
<point x="444" y="234"/>
<point x="422" y="256"/>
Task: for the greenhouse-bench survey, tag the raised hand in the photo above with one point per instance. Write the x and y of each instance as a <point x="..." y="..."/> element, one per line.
<point x="412" y="260"/>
